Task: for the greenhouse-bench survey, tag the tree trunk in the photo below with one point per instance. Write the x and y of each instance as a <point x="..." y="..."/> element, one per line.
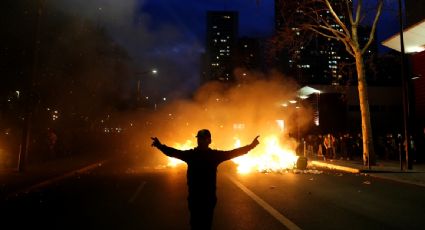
<point x="368" y="149"/>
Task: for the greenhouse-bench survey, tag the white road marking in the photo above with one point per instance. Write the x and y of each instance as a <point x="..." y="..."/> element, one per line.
<point x="276" y="214"/>
<point x="138" y="190"/>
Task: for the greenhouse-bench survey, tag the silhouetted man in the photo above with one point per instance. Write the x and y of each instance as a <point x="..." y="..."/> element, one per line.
<point x="202" y="163"/>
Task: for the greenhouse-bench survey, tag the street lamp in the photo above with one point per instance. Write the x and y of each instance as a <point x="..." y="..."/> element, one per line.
<point x="139" y="82"/>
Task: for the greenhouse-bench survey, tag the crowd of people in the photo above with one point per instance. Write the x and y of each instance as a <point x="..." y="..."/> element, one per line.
<point x="349" y="146"/>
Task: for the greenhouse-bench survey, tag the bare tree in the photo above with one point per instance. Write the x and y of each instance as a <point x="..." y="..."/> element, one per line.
<point x="340" y="20"/>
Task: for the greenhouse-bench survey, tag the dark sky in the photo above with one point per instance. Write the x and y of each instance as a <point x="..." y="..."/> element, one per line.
<point x="170" y="34"/>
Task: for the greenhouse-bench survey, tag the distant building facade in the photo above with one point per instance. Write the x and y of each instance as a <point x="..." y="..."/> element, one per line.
<point x="221" y="45"/>
<point x="319" y="61"/>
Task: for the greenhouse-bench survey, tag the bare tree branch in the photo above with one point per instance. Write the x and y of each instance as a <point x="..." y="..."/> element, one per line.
<point x="375" y="22"/>
<point x="358" y="13"/>
<point x="350" y="14"/>
<point x="337" y="19"/>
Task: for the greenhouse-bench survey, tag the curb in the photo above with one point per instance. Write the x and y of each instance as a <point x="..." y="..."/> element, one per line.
<point x="397" y="180"/>
<point x="55" y="179"/>
<point x="335" y="167"/>
<point x="372" y="173"/>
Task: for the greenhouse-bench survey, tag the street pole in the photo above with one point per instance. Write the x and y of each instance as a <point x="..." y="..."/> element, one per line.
<point x="139" y="83"/>
<point x="28" y="94"/>
<point x="405" y="89"/>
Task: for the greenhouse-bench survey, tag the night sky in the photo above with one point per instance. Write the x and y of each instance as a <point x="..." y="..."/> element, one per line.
<point x="170" y="34"/>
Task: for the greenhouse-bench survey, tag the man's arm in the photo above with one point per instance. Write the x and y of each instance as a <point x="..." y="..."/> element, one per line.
<point x="171" y="152"/>
<point x="227" y="155"/>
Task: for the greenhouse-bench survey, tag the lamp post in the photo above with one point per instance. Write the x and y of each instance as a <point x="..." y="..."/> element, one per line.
<point x="139" y="83"/>
<point x="27" y="91"/>
<point x="405" y="89"/>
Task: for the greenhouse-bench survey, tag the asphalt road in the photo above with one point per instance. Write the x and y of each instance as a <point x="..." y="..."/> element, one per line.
<point x="120" y="195"/>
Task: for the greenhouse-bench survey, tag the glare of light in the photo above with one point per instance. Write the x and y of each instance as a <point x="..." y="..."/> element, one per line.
<point x="285" y="105"/>
<point x="281" y="125"/>
<point x="316" y="120"/>
<point x="18" y="93"/>
<point x="303" y="97"/>
<point x="154" y="71"/>
<point x="164" y="99"/>
<point x="414" y="49"/>
<point x="238" y="126"/>
<point x="292" y="101"/>
<point x="55" y="117"/>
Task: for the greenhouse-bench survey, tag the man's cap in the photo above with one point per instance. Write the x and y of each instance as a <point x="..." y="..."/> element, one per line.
<point x="203" y="133"/>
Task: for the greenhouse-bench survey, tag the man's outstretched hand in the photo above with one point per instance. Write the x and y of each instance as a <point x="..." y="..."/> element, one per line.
<point x="156" y="142"/>
<point x="255" y="142"/>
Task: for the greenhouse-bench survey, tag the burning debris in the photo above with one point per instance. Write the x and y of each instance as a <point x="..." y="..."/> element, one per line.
<point x="235" y="114"/>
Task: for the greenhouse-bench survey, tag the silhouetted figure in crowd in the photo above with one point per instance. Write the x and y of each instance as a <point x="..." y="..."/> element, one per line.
<point x="202" y="163"/>
<point x="52" y="139"/>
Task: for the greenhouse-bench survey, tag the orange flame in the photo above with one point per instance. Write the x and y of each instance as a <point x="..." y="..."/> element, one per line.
<point x="270" y="155"/>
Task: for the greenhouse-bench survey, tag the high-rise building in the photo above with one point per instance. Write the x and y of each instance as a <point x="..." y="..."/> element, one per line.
<point x="318" y="61"/>
<point x="250" y="53"/>
<point x="221" y="45"/>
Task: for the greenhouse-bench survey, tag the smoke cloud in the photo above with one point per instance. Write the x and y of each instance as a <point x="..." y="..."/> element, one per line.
<point x="243" y="111"/>
<point x="163" y="46"/>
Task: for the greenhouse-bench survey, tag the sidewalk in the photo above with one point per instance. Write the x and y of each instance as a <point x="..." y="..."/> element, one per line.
<point x="389" y="170"/>
<point x="36" y="175"/>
